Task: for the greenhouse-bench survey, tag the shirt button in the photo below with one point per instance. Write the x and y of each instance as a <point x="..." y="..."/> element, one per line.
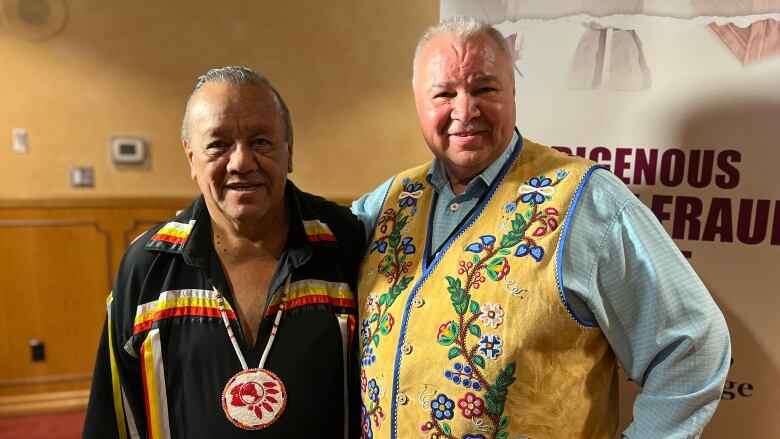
<point x="406" y="349"/>
<point x="401" y="399"/>
<point x="454" y="207"/>
<point x="418" y="302"/>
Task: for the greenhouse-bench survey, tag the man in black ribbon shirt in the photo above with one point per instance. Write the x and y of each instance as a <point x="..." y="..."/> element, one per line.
<point x="239" y="313"/>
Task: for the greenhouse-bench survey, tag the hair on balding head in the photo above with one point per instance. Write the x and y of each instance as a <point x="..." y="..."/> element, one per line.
<point x="236" y="76"/>
<point x="463" y="28"/>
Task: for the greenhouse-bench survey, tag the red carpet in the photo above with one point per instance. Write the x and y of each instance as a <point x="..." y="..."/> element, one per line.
<point x="59" y="426"/>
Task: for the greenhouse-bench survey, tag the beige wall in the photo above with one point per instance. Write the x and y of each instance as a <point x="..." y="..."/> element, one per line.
<point x="126" y="68"/>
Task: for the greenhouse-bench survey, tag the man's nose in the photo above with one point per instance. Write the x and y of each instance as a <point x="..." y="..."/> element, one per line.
<point x="464" y="108"/>
<point x="242" y="159"/>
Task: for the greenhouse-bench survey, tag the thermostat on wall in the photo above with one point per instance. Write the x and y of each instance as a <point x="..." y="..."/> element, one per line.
<point x="128" y="150"/>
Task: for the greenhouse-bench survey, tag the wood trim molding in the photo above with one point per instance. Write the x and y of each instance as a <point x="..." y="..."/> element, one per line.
<point x="175" y="202"/>
<point x="67" y="223"/>
<point x="51" y="402"/>
<point x="46" y="380"/>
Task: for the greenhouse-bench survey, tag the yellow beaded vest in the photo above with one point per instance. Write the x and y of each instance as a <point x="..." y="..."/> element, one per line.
<point x="479" y="342"/>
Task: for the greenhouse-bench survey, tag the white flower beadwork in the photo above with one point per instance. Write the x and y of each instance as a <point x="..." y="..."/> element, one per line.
<point x="492" y="314"/>
<point x="371" y="301"/>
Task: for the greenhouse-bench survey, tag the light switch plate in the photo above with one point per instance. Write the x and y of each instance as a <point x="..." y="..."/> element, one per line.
<point x="19" y="140"/>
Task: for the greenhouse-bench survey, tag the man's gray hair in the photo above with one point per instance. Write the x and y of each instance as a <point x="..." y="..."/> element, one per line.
<point x="464" y="28"/>
<point x="232" y="75"/>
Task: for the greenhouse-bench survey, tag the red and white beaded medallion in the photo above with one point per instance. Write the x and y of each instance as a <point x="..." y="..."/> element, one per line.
<point x="254" y="399"/>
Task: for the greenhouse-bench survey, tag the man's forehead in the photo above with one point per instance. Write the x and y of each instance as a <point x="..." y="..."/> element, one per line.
<point x="225" y="110"/>
<point x="217" y="100"/>
<point x="446" y="45"/>
<point x="475" y="57"/>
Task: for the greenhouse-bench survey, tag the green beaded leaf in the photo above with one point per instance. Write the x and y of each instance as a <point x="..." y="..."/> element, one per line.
<point x="511" y="239"/>
<point x="474" y="307"/>
<point x="386" y="264"/>
<point x="475" y="329"/>
<point x="454" y="352"/>
<point x="479" y="360"/>
<point x="504" y="422"/>
<point x="491" y="273"/>
<point x="384" y="325"/>
<point x="394" y="239"/>
<point x="445" y="427"/>
<point x="496" y="395"/>
<point x="461" y="305"/>
<point x="400" y="222"/>
<point x="497" y="260"/>
<point x="454" y="286"/>
<point x="518" y="224"/>
<point x="404" y="283"/>
<point x="446" y="340"/>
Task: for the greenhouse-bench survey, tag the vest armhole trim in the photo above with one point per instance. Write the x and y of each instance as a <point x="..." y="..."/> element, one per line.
<point x="561" y="248"/>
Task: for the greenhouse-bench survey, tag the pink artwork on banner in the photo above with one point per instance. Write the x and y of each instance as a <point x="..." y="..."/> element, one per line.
<point x="758" y="41"/>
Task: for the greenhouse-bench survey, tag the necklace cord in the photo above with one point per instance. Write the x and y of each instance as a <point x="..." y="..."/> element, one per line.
<point x="231" y="335"/>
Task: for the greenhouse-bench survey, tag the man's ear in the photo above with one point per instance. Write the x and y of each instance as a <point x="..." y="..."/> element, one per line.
<point x="188" y="152"/>
<point x="289" y="156"/>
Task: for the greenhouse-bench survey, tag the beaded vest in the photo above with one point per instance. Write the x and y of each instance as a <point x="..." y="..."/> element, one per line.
<point x="479" y="342"/>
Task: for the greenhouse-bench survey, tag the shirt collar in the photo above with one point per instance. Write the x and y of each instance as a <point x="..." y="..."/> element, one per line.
<point x="437" y="175"/>
<point x="197" y="249"/>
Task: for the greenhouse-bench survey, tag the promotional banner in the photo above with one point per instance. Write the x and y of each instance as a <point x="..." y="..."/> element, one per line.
<point x="681" y="100"/>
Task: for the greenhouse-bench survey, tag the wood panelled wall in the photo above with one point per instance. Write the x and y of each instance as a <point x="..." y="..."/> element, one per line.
<point x="57" y="263"/>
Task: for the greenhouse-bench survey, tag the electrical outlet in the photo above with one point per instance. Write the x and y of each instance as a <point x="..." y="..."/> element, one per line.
<point x="82" y="176"/>
<point x="37" y="351"/>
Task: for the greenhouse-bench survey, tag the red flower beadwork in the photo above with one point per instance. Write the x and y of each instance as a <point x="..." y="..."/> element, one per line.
<point x="471" y="405"/>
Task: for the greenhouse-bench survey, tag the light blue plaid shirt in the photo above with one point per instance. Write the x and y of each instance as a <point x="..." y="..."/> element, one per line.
<point x="622" y="271"/>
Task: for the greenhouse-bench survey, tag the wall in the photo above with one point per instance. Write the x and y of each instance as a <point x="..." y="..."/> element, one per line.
<point x="127" y="68"/>
<point x="58" y="267"/>
<point x="117" y="68"/>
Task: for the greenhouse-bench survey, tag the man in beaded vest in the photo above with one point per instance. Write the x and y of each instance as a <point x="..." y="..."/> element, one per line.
<point x="505" y="281"/>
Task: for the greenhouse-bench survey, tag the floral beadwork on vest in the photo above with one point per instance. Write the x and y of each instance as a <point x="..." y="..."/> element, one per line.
<point x="379" y="321"/>
<point x="467" y="336"/>
<point x="477" y="340"/>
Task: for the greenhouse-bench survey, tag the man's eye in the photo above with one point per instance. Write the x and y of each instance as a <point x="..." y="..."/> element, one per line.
<point x="485" y="90"/>
<point x="260" y="143"/>
<point x="444" y="94"/>
<point x="217" y="144"/>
